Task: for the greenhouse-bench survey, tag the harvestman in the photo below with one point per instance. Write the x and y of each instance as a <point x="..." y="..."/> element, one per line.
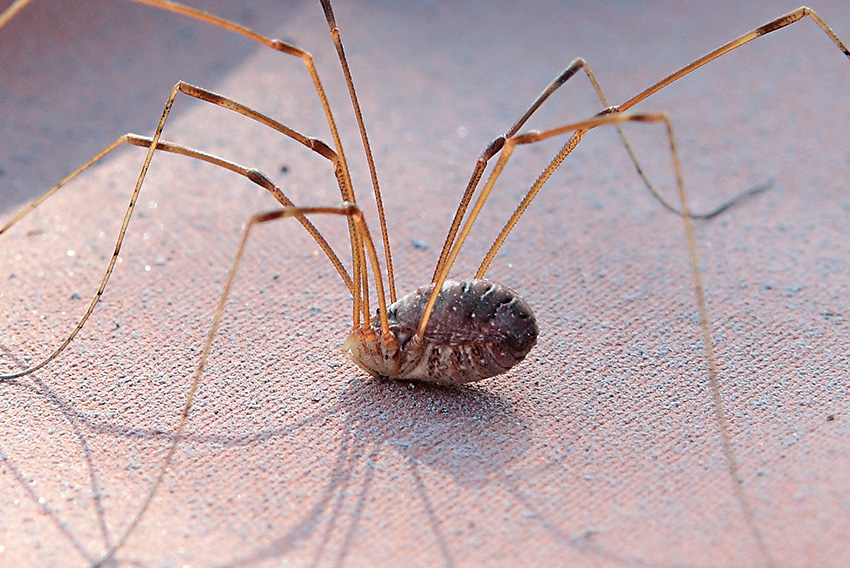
<point x="448" y="331"/>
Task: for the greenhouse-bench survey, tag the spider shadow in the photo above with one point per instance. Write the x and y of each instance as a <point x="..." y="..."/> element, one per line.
<point x="461" y="440"/>
<point x="466" y="440"/>
<point x="463" y="433"/>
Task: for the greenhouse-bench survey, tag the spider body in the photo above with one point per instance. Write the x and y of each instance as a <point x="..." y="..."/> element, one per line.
<point x="478" y="329"/>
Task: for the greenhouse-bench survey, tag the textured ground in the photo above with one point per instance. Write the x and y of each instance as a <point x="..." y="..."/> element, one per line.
<point x="601" y="449"/>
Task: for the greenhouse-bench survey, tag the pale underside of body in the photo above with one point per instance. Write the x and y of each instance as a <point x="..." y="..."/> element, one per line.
<point x="478" y="329"/>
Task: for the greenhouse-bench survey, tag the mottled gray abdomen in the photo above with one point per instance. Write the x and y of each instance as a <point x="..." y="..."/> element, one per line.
<point x="477" y="329"/>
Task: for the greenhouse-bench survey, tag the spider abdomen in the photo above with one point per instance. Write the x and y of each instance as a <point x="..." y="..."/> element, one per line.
<point x="477" y="329"/>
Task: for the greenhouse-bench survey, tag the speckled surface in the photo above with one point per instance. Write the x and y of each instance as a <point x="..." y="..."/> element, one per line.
<point x="601" y="449"/>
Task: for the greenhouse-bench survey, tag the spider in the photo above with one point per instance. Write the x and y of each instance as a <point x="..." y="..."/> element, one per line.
<point x="393" y="343"/>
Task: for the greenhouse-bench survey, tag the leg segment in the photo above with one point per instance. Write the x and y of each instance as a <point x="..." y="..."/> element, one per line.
<point x="581" y="128"/>
<point x="364" y="137"/>
<point x="352" y="212"/>
<point x="778" y="23"/>
<point x="496" y="146"/>
<point x="340" y="163"/>
<point x="145" y="142"/>
<point x="499" y="143"/>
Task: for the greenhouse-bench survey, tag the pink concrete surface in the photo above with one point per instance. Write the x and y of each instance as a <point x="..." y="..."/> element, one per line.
<point x="601" y="449"/>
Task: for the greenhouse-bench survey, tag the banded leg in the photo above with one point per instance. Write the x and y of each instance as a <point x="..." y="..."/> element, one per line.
<point x="341" y="165"/>
<point x="496" y="146"/>
<point x="359" y="285"/>
<point x="344" y="178"/>
<point x="145" y="142"/>
<point x="774" y="25"/>
<point x="441" y="271"/>
<point x="498" y="143"/>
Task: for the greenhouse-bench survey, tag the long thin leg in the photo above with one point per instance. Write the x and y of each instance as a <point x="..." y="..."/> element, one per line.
<point x="584" y="126"/>
<point x="360" y="284"/>
<point x="499" y="142"/>
<point x="145" y="142"/>
<point x="774" y="25"/>
<point x="276" y="44"/>
<point x="342" y="172"/>
<point x="364" y="137"/>
<point x="361" y="294"/>
<point x="12" y="10"/>
<point x="771" y="26"/>
<point x="350" y="211"/>
<point x="577" y="131"/>
<point x="341" y="166"/>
